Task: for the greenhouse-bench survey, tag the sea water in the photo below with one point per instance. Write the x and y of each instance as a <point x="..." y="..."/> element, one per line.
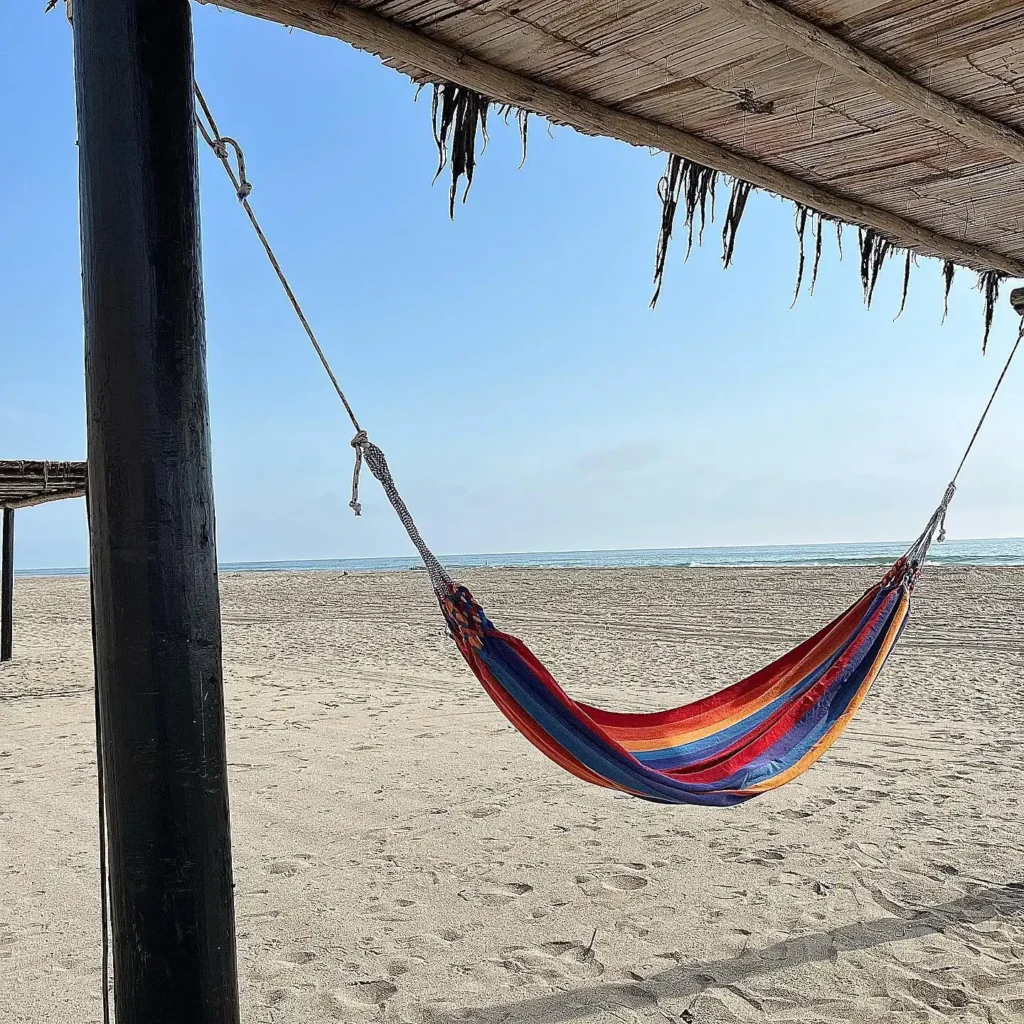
<point x="1008" y="551"/>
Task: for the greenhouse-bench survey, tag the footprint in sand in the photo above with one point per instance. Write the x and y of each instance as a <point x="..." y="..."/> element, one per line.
<point x="496" y="845"/>
<point x="618" y="881"/>
<point x="552" y="961"/>
<point x="278" y="996"/>
<point x="366" y="995"/>
<point x="485" y="812"/>
<point x="634" y="925"/>
<point x="299" y="957"/>
<point x="624" y="883"/>
<point x="285" y="867"/>
<point x="495" y="894"/>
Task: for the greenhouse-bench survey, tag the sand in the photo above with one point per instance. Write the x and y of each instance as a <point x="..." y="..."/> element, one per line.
<point x="402" y="855"/>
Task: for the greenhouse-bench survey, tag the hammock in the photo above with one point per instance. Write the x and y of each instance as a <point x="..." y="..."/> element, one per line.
<point x="744" y="740"/>
<point x="747" y="739"/>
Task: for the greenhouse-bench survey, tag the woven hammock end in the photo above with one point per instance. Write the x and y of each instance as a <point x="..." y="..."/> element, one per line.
<point x="1017" y="300"/>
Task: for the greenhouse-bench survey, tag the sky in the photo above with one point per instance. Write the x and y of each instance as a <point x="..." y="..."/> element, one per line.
<point x="506" y="361"/>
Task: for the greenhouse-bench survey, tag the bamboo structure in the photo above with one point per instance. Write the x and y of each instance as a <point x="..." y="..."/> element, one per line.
<point x="900" y="117"/>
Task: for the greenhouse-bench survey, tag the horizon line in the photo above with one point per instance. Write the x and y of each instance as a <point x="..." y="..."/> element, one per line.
<point x="227" y="566"/>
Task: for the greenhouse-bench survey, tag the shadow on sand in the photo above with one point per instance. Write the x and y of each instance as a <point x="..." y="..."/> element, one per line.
<point x="982" y="904"/>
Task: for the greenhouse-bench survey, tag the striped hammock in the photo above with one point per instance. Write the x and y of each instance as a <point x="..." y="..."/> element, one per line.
<point x="747" y="739"/>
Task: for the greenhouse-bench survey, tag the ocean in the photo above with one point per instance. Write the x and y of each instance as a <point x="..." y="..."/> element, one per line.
<point x="1006" y="551"/>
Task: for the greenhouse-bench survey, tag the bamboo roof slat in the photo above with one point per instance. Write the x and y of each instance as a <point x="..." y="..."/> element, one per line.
<point x="903" y="116"/>
<point x="32" y="483"/>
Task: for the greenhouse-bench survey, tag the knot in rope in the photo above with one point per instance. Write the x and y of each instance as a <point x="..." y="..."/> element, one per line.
<point x="943" y="506"/>
<point x="358" y="441"/>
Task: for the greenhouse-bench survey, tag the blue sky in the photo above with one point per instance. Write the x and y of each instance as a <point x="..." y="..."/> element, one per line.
<point x="507" y="361"/>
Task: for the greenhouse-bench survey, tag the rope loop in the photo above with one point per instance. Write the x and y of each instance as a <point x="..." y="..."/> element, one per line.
<point x="358" y="443"/>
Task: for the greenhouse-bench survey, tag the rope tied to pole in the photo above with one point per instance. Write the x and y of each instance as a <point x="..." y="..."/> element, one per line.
<point x="243" y="189"/>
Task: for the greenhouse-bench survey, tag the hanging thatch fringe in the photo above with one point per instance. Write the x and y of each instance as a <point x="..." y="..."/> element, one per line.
<point x="802" y="216"/>
<point x="802" y="213"/>
<point x="989" y="283"/>
<point x="906" y="283"/>
<point x="737" y="204"/>
<point x="817" y="248"/>
<point x="459" y="115"/>
<point x="460" y="118"/>
<point x="696" y="185"/>
<point x="522" y="117"/>
<point x="948" y="271"/>
<point x="875" y="249"/>
<point x="669" y="187"/>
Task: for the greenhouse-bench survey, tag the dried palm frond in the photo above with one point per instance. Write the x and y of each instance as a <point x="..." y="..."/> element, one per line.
<point x="459" y="116"/>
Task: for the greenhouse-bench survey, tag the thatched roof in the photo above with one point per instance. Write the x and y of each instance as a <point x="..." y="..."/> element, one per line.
<point x="33" y="483"/>
<point x="903" y="117"/>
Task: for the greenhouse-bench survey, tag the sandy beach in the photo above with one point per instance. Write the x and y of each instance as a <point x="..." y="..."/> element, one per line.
<point x="401" y="854"/>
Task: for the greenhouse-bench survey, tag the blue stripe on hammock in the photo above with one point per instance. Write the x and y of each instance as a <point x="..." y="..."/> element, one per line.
<point x="580" y="739"/>
<point x="820" y="717"/>
<point x="685" y="754"/>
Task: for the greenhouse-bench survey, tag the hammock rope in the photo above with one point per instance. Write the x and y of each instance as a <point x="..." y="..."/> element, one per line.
<point x="243" y="189"/>
<point x="720" y="750"/>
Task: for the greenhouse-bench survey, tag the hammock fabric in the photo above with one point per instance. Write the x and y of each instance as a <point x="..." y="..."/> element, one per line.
<point x="753" y="736"/>
<point x="747" y="739"/>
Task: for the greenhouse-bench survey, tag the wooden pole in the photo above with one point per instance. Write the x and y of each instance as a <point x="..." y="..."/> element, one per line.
<point x="7" y="588"/>
<point x="152" y="548"/>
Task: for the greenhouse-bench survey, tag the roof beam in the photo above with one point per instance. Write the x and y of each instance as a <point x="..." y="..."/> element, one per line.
<point x="440" y="61"/>
<point x="860" y="67"/>
<point x="43" y="499"/>
<point x="27" y="483"/>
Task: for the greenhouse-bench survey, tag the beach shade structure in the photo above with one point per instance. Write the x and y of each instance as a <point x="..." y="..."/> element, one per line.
<point x="23" y="484"/>
<point x="901" y="120"/>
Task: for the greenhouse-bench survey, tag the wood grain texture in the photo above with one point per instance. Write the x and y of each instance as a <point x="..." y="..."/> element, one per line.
<point x="763" y="16"/>
<point x="153" y="559"/>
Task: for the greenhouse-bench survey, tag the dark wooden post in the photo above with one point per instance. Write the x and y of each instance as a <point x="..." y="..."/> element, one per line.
<point x="7" y="588"/>
<point x="153" y="554"/>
